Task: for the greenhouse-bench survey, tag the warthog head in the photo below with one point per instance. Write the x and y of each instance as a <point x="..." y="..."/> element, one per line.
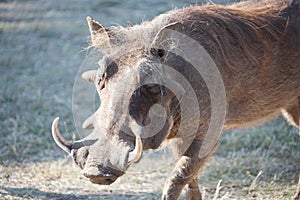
<point x="135" y="111"/>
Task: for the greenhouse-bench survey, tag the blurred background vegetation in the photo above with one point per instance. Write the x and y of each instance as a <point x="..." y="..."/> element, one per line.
<point x="42" y="48"/>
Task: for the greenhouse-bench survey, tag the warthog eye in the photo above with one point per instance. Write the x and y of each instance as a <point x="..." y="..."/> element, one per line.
<point x="157" y="52"/>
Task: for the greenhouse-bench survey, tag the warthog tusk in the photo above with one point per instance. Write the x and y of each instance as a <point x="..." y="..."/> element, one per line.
<point x="136" y="154"/>
<point x="59" y="140"/>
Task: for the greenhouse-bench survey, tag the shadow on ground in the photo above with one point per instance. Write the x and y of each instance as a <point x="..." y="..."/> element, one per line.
<point x="39" y="194"/>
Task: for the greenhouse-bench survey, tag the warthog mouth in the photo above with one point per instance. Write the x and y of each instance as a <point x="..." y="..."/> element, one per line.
<point x="100" y="181"/>
<point x="100" y="176"/>
<point x="103" y="179"/>
<point x="101" y="171"/>
<point x="133" y="156"/>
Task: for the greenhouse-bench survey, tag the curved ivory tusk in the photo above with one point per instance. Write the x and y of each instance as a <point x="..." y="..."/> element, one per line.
<point x="136" y="154"/>
<point x="59" y="140"/>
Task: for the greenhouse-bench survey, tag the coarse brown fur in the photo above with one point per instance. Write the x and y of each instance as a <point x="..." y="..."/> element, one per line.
<point x="239" y="37"/>
<point x="256" y="48"/>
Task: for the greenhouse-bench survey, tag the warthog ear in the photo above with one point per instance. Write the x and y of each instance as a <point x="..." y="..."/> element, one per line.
<point x="163" y="38"/>
<point x="99" y="34"/>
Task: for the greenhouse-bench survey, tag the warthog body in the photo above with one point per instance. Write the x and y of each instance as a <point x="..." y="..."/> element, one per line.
<point x="255" y="46"/>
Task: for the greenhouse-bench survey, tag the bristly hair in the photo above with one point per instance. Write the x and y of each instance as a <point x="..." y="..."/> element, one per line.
<point x="248" y="24"/>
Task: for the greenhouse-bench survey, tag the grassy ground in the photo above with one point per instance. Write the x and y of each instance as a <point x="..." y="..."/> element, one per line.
<point x="41" y="51"/>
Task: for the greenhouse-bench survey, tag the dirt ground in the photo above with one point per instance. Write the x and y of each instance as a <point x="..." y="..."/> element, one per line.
<point x="42" y="52"/>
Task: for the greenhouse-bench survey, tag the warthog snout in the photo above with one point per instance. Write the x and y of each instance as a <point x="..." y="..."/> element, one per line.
<point x="99" y="176"/>
<point x="101" y="159"/>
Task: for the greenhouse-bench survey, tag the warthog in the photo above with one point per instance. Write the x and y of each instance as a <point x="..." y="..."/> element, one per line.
<point x="149" y="72"/>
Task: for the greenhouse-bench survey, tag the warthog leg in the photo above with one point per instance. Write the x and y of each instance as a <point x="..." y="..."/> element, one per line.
<point x="193" y="192"/>
<point x="185" y="171"/>
<point x="292" y="114"/>
<point x="297" y="196"/>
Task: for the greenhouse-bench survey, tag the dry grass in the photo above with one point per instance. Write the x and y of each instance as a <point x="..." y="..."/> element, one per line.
<point x="40" y="48"/>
